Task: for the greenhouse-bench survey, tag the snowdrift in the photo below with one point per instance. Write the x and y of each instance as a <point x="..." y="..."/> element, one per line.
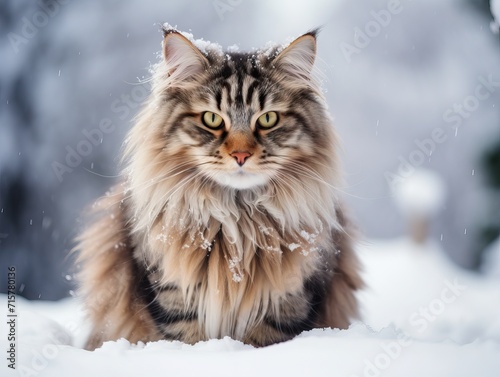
<point x="422" y="316"/>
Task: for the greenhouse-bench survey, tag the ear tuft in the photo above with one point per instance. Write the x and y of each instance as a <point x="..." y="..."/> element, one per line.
<point x="183" y="59"/>
<point x="298" y="57"/>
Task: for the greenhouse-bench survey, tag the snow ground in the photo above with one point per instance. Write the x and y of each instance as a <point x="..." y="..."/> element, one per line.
<point x="422" y="316"/>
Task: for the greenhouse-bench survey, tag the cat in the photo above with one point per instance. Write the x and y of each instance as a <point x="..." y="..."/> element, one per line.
<point x="228" y="220"/>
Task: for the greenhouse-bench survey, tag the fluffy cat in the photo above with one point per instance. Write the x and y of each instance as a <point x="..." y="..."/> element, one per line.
<point x="228" y="221"/>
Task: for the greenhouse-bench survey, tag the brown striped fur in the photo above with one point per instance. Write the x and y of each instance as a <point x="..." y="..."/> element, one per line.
<point x="186" y="248"/>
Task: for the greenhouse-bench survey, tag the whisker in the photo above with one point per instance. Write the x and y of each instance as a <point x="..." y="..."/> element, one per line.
<point x="309" y="172"/>
<point x="102" y="175"/>
<point x="156" y="180"/>
<point x="307" y="192"/>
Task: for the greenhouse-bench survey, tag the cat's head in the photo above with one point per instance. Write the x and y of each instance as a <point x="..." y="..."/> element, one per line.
<point x="239" y="120"/>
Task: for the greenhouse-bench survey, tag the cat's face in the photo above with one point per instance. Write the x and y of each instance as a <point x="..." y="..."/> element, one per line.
<point x="244" y="120"/>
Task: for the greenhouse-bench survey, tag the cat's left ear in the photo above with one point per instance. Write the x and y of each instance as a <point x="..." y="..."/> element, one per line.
<point x="298" y="58"/>
<point x="183" y="59"/>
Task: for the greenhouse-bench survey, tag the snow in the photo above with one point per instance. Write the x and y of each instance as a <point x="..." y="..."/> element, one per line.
<point x="234" y="264"/>
<point x="233" y="48"/>
<point x="427" y="297"/>
<point x="201" y="44"/>
<point x="422" y="316"/>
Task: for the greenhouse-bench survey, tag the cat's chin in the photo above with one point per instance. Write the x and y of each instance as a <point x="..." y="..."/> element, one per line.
<point x="241" y="181"/>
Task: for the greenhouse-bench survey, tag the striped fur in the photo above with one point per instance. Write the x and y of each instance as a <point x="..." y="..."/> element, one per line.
<point x="192" y="246"/>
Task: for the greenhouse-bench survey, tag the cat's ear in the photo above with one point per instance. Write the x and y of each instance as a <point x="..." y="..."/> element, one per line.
<point x="298" y="57"/>
<point x="183" y="59"/>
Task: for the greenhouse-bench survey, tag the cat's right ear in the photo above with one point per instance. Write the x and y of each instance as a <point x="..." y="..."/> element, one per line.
<point x="298" y="58"/>
<point x="183" y="59"/>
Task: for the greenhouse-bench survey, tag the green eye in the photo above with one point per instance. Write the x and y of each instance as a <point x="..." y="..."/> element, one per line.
<point x="268" y="120"/>
<point x="212" y="120"/>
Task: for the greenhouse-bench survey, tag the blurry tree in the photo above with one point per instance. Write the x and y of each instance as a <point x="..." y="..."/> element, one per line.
<point x="482" y="5"/>
<point x="30" y="228"/>
<point x="491" y="228"/>
<point x="490" y="163"/>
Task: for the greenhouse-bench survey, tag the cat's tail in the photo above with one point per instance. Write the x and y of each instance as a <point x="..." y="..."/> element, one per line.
<point x="108" y="277"/>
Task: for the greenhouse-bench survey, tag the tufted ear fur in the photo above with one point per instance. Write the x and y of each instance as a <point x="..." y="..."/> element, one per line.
<point x="183" y="59"/>
<point x="298" y="58"/>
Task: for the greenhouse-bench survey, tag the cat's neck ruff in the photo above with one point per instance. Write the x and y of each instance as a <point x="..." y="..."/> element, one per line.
<point x="239" y="216"/>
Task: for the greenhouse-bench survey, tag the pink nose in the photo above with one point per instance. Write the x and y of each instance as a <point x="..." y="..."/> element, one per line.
<point x="241" y="157"/>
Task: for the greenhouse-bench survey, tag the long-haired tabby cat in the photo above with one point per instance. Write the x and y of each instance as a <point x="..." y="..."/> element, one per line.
<point x="228" y="221"/>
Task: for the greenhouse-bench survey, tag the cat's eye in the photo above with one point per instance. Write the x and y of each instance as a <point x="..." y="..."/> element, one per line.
<point x="268" y="120"/>
<point x="212" y="120"/>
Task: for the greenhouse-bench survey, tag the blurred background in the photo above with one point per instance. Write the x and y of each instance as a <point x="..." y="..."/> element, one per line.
<point x="411" y="85"/>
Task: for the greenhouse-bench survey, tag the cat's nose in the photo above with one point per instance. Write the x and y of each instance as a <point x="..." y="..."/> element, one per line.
<point x="240" y="156"/>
